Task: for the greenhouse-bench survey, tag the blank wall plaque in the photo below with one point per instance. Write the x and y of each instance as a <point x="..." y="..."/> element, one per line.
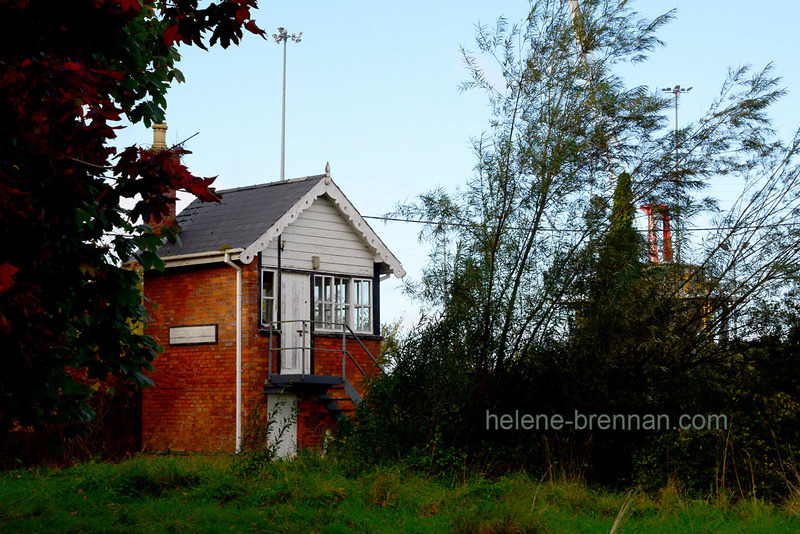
<point x="193" y="335"/>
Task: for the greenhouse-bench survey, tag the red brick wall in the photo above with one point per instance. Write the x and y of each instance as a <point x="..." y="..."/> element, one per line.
<point x="192" y="405"/>
<point x="313" y="421"/>
<point x="328" y="358"/>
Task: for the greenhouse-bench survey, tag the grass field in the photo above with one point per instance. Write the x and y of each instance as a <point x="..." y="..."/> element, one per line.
<point x="215" y="494"/>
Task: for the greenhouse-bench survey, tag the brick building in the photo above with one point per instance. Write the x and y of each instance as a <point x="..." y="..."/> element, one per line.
<point x="271" y="297"/>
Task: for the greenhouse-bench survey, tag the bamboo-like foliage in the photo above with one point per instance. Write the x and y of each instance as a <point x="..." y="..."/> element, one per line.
<point x="516" y="251"/>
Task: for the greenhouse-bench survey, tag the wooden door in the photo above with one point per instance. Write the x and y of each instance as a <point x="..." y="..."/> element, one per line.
<point x="295" y="323"/>
<point x="282" y="433"/>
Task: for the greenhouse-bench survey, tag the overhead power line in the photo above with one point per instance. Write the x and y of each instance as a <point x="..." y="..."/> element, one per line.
<point x="574" y="230"/>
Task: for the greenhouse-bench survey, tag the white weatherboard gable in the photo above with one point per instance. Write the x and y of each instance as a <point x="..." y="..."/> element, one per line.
<point x="350" y="214"/>
<point x="321" y="231"/>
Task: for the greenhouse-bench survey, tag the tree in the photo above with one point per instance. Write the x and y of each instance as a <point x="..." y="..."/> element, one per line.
<point x="529" y="239"/>
<point x="68" y="72"/>
<point x="612" y="284"/>
<point x="534" y="219"/>
<point x="560" y="126"/>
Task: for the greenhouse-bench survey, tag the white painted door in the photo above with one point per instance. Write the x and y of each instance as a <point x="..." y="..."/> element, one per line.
<point x="296" y="334"/>
<point x="282" y="432"/>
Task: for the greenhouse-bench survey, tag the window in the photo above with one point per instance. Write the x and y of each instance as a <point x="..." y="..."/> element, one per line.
<point x="362" y="305"/>
<point x="267" y="297"/>
<point x="342" y="300"/>
<point x="331" y="302"/>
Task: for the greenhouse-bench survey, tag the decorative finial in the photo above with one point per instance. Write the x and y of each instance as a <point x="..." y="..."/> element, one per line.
<point x="327" y="173"/>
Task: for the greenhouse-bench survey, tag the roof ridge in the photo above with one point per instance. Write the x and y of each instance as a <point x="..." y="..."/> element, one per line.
<point x="268" y="184"/>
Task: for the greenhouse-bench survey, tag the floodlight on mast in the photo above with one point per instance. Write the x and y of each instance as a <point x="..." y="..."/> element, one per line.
<point x="677" y="90"/>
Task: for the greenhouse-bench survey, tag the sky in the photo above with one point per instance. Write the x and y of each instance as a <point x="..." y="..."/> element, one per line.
<point x="373" y="89"/>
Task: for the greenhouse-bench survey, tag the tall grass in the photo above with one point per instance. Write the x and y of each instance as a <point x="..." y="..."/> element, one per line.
<point x="309" y="493"/>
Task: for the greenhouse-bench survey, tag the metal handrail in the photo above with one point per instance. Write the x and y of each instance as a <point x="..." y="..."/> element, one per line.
<point x="345" y="353"/>
<point x="371" y="357"/>
<point x="356" y="363"/>
<point x="303" y="347"/>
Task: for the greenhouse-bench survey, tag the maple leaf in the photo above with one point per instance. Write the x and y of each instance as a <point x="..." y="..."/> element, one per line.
<point x="171" y="35"/>
<point x="242" y="14"/>
<point x="7" y="272"/>
<point x="130" y="4"/>
<point x="251" y="26"/>
<point x="199" y="187"/>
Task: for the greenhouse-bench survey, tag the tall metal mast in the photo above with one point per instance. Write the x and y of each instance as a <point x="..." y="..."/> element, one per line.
<point x="283" y="35"/>
<point x="677" y="90"/>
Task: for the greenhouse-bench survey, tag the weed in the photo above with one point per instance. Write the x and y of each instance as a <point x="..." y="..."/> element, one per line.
<point x="439" y="460"/>
<point x="624" y="513"/>
<point x="263" y="437"/>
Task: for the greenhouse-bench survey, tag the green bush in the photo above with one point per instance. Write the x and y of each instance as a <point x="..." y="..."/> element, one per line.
<point x="430" y="412"/>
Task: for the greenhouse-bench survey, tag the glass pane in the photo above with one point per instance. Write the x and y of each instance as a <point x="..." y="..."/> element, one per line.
<point x="266" y="310"/>
<point x="363" y="292"/>
<point x="328" y="294"/>
<point x="340" y="290"/>
<point x="363" y="319"/>
<point x="267" y="284"/>
<point x="328" y="315"/>
<point x="267" y="296"/>
<point x="317" y="289"/>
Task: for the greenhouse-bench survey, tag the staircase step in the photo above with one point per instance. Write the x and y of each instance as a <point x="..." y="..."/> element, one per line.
<point x="329" y="402"/>
<point x="332" y="406"/>
<point x="351" y="392"/>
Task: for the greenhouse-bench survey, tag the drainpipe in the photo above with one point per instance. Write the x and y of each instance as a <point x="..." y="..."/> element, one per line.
<point x="238" y="351"/>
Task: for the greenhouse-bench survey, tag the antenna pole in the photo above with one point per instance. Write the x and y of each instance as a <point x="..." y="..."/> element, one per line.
<point x="677" y="90"/>
<point x="283" y="35"/>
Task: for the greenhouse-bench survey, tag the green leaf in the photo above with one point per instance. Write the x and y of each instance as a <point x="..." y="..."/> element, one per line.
<point x="142" y="380"/>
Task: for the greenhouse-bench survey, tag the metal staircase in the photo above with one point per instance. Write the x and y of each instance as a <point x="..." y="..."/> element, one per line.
<point x="335" y="392"/>
<point x="337" y="405"/>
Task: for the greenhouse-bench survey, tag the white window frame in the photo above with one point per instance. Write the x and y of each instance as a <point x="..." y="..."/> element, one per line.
<point x="342" y="299"/>
<point x="361" y="296"/>
<point x="268" y="302"/>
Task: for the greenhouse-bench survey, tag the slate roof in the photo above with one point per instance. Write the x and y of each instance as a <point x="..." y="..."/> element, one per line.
<point x="243" y="216"/>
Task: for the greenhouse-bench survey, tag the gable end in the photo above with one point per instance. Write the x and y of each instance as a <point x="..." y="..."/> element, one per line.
<point x="327" y="188"/>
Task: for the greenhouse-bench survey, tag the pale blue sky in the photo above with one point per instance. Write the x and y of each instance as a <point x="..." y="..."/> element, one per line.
<point x="373" y="89"/>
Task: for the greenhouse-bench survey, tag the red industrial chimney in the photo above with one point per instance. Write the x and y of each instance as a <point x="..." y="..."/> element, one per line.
<point x="656" y="213"/>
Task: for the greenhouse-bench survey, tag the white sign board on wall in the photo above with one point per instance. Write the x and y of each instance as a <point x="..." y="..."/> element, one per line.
<point x="193" y="334"/>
